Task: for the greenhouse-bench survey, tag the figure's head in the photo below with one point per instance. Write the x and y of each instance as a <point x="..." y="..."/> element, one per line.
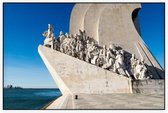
<point x="61" y="33"/>
<point x="71" y="36"/>
<point x="117" y="52"/>
<point x="142" y="60"/>
<point x="92" y="43"/>
<point x="133" y="55"/>
<point x="52" y="35"/>
<point x="87" y="41"/>
<point x="66" y="34"/>
<point x="49" y="25"/>
<point x="77" y="37"/>
<point x="122" y="52"/>
<point x="112" y="46"/>
<point x="138" y="61"/>
<point x="104" y="46"/>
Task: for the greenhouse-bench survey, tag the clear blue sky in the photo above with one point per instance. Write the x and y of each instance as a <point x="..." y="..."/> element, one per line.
<point x="25" y="23"/>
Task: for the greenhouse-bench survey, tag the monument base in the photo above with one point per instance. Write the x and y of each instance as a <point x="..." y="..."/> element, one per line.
<point x="97" y="88"/>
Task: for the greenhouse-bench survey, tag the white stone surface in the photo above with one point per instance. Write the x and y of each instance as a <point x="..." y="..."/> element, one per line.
<point x="75" y="76"/>
<point x="114" y="23"/>
<point x="120" y="101"/>
<point x="63" y="102"/>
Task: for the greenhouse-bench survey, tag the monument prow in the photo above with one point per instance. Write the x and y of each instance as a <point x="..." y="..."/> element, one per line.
<point x="75" y="76"/>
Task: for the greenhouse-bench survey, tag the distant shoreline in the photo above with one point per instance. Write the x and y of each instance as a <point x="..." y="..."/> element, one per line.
<point x="29" y="98"/>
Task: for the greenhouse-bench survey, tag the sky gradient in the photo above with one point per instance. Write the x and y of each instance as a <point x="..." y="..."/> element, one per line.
<point x="25" y="23"/>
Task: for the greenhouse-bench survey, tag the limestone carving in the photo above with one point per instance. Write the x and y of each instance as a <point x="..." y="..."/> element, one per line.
<point x="140" y="70"/>
<point x="49" y="34"/>
<point x="100" y="58"/>
<point x="84" y="48"/>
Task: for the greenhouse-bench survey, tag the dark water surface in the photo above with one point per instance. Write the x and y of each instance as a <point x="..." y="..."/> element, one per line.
<point x="28" y="98"/>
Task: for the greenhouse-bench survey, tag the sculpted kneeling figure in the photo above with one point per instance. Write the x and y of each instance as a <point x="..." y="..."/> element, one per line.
<point x="140" y="70"/>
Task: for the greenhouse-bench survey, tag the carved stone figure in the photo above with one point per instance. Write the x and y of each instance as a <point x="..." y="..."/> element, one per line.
<point x="66" y="35"/>
<point x="79" y="46"/>
<point x="109" y="60"/>
<point x="137" y="70"/>
<point x="140" y="70"/>
<point x="99" y="61"/>
<point x="95" y="55"/>
<point x="61" y="37"/>
<point x="49" y="34"/>
<point x="119" y="64"/>
<point x="69" y="52"/>
<point x="71" y="36"/>
<point x="109" y="64"/>
<point x="104" y="54"/>
<point x="55" y="45"/>
<point x="73" y="46"/>
<point x="143" y="71"/>
<point x="109" y="55"/>
<point x="50" y="31"/>
<point x="87" y="44"/>
<point x="84" y="36"/>
<point x="104" y="51"/>
<point x="79" y="49"/>
<point x="113" y="49"/>
<point x="81" y="55"/>
<point x="133" y="62"/>
<point x="89" y="50"/>
<point x="65" y="45"/>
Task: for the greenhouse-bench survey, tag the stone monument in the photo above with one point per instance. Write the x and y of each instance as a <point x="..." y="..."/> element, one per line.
<point x="102" y="54"/>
